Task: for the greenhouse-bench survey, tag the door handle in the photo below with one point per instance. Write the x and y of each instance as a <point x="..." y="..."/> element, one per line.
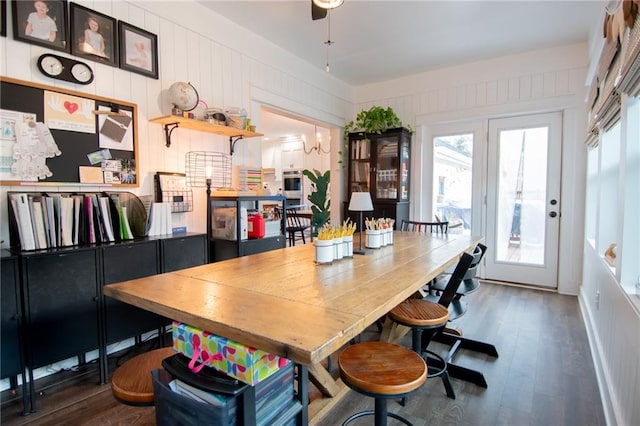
<point x="553" y="214"/>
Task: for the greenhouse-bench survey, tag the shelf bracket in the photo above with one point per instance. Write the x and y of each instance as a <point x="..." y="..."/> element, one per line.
<point x="232" y="143"/>
<point x="168" y="129"/>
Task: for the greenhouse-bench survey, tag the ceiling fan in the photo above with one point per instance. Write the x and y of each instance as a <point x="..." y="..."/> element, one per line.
<point x="319" y="7"/>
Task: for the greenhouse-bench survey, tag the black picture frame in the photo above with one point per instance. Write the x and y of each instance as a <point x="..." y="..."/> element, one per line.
<point x="99" y="45"/>
<point x="138" y="50"/>
<point x="3" y="18"/>
<point x="56" y="11"/>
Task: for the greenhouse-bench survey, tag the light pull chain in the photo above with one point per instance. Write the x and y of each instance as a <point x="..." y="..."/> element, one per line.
<point x="328" y="42"/>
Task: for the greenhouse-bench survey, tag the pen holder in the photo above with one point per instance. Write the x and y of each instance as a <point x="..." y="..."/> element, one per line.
<point x="374" y="239"/>
<point x="347" y="246"/>
<point x="338" y="252"/>
<point x="324" y="251"/>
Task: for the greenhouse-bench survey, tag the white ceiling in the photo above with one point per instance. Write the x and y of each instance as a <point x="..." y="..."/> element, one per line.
<point x="383" y="40"/>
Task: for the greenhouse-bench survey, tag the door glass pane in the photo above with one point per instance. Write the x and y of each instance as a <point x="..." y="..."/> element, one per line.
<point x="522" y="193"/>
<point x="387" y="168"/>
<point x="452" y="177"/>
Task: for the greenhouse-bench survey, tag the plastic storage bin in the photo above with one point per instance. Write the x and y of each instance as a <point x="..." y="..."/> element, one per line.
<point x="173" y="409"/>
<point x="274" y="402"/>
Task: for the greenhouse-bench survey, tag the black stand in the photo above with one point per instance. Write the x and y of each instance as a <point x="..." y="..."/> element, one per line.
<point x="361" y="250"/>
<point x="209" y="230"/>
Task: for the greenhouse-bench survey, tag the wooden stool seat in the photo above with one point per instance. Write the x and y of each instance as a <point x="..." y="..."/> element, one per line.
<point x="131" y="382"/>
<point x="383" y="371"/>
<point x="424" y="316"/>
<point x="419" y="312"/>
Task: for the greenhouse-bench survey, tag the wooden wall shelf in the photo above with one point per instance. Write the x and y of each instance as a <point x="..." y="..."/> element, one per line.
<point x="171" y="122"/>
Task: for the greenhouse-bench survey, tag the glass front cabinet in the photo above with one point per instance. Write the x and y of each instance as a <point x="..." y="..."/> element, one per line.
<point x="379" y="164"/>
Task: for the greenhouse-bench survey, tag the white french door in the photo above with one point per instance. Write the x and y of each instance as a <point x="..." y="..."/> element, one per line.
<point x="455" y="176"/>
<point x="523" y="199"/>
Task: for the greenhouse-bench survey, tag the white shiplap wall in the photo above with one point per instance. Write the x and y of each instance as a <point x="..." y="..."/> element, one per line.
<point x="227" y="64"/>
<point x="538" y="81"/>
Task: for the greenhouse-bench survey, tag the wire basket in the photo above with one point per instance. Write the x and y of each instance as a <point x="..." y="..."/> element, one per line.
<point x="201" y="165"/>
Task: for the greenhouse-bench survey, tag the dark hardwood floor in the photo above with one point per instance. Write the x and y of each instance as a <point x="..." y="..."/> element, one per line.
<point x="543" y="376"/>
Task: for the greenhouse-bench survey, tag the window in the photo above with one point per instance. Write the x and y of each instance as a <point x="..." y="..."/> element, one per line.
<point x="452" y="178"/>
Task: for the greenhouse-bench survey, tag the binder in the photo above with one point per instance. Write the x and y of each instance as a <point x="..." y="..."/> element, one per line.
<point x="20" y="203"/>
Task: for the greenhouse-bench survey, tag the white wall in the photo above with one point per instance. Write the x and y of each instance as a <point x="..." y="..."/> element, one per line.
<point x="539" y="81"/>
<point x="228" y="65"/>
<point x="613" y="326"/>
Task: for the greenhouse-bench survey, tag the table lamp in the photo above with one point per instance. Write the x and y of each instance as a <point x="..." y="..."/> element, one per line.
<point x="360" y="202"/>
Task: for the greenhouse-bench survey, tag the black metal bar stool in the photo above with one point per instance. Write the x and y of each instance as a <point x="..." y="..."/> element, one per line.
<point x="383" y="371"/>
<point x="427" y="319"/>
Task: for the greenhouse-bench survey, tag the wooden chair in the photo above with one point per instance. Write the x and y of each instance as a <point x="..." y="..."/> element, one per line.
<point x="432" y="227"/>
<point x="131" y="383"/>
<point x="427" y="318"/>
<point x="297" y="224"/>
<point x="383" y="371"/>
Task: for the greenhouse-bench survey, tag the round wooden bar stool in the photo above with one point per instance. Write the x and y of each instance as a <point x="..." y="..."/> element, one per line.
<point x="383" y="371"/>
<point x="425" y="319"/>
<point x="131" y="382"/>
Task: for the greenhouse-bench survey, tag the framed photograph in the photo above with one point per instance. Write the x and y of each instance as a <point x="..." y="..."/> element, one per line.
<point x="40" y="22"/>
<point x="138" y="50"/>
<point x="3" y="18"/>
<point x="93" y="35"/>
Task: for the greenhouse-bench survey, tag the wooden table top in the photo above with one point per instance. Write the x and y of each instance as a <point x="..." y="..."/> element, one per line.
<point x="281" y="302"/>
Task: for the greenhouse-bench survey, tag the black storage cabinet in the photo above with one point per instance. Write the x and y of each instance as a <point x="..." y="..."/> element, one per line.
<point x="11" y="354"/>
<point x="128" y="261"/>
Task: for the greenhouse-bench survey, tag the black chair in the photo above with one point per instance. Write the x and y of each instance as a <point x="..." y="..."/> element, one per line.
<point x="432" y="227"/>
<point x="427" y="319"/>
<point x="458" y="307"/>
<point x="297" y="226"/>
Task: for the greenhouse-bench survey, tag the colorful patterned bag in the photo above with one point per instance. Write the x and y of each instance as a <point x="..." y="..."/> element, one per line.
<point x="244" y="363"/>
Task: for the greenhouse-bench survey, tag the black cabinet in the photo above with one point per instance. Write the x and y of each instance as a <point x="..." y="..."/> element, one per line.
<point x="230" y="234"/>
<point x="61" y="300"/>
<point x="11" y="349"/>
<point x="128" y="261"/>
<point x="182" y="252"/>
<point x="65" y="313"/>
<point x="10" y="357"/>
<point x="380" y="164"/>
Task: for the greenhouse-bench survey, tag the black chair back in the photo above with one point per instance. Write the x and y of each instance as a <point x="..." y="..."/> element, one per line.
<point x="465" y="269"/>
<point x="432" y="227"/>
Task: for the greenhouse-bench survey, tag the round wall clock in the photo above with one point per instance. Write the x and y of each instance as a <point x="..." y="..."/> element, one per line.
<point x="50" y="66"/>
<point x="65" y="69"/>
<point x="82" y="73"/>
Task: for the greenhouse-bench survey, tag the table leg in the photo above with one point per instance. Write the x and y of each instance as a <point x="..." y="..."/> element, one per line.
<point x="323" y="380"/>
<point x="392" y="332"/>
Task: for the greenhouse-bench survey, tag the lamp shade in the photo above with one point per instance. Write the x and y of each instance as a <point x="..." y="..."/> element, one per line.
<point x="328" y="4"/>
<point x="360" y="202"/>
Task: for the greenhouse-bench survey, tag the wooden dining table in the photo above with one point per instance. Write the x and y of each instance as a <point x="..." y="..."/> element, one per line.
<point x="283" y="303"/>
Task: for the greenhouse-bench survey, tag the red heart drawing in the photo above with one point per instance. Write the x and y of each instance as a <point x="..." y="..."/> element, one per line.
<point x="71" y="107"/>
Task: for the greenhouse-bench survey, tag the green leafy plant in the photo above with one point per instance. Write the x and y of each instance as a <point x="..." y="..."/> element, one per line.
<point x="374" y="120"/>
<point x="319" y="198"/>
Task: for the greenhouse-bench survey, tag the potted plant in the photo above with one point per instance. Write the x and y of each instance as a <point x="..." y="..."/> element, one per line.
<point x="374" y="120"/>
<point x="319" y="198"/>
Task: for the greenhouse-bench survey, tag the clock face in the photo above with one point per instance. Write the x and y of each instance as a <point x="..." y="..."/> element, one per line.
<point x="66" y="69"/>
<point x="82" y="73"/>
<point x="51" y="65"/>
